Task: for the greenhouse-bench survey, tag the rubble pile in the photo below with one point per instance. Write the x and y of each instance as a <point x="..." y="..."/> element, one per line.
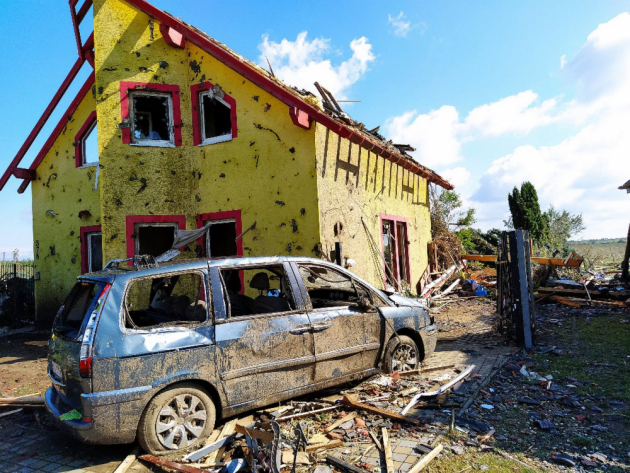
<point x="351" y="430"/>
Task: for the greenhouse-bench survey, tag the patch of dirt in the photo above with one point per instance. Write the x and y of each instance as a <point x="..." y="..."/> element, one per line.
<point x="23" y="364"/>
<point x="465" y="316"/>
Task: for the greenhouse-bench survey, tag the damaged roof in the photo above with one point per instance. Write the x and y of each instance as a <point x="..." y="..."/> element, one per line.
<point x="304" y="107"/>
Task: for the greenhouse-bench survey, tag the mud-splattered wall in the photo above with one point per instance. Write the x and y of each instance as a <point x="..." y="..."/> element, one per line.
<point x="355" y="184"/>
<point x="64" y="200"/>
<point x="267" y="171"/>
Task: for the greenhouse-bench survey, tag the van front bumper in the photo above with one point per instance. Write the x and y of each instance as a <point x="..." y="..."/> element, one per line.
<point x="112" y="423"/>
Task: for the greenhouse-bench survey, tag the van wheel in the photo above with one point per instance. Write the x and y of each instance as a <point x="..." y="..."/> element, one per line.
<point x="177" y="418"/>
<point x="401" y="354"/>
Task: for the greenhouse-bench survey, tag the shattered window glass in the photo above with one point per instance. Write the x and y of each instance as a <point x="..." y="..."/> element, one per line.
<point x="163" y="301"/>
<point x="216" y="118"/>
<point x="327" y="288"/>
<point x="151" y="117"/>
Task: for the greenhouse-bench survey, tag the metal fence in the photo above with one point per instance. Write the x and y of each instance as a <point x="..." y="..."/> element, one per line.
<point x="17" y="290"/>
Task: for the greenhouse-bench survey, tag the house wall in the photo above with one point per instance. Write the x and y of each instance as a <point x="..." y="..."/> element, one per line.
<point x="267" y="171"/>
<point x="60" y="191"/>
<point x="354" y="183"/>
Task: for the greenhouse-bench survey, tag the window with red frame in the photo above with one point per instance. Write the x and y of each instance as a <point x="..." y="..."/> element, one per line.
<point x="91" y="249"/>
<point x="223" y="229"/>
<point x="86" y="143"/>
<point x="396" y="251"/>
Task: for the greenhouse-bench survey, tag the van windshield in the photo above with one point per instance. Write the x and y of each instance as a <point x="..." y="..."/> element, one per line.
<point x="75" y="308"/>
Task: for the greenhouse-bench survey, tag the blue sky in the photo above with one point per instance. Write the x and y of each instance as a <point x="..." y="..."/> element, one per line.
<point x="490" y="93"/>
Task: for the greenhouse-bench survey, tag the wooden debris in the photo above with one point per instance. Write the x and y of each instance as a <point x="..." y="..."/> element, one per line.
<point x="128" y="461"/>
<point x="567" y="292"/>
<point x="351" y="401"/>
<point x="487" y="437"/>
<point x="300" y="458"/>
<point x="567" y="301"/>
<point x="307" y="414"/>
<point x="344" y="419"/>
<point x="387" y="451"/>
<point x="21" y="401"/>
<point x="424" y="370"/>
<point x="342" y="465"/>
<point x="170" y="464"/>
<point x="424" y="461"/>
<point x="215" y="448"/>
<point x="15" y="411"/>
<point x="376" y="441"/>
<point x="325" y="445"/>
<point x="263" y="436"/>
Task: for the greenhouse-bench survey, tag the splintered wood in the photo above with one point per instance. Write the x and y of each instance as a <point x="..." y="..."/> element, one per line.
<point x="351" y="401"/>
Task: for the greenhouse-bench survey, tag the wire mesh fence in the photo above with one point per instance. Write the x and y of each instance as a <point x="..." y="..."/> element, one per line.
<point x="17" y="290"/>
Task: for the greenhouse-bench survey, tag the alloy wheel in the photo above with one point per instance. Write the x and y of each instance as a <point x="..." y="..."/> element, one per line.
<point x="404" y="358"/>
<point x="181" y="421"/>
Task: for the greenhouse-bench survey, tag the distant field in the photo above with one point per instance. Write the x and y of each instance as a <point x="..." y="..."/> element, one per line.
<point x="598" y="253"/>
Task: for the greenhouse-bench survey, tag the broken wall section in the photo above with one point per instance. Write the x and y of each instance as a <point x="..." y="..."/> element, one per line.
<point x="356" y="186"/>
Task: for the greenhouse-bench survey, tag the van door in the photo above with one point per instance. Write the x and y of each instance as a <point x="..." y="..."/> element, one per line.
<point x="263" y="333"/>
<point x="347" y="336"/>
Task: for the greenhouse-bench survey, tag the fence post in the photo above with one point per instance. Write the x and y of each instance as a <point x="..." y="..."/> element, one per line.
<point x="15" y="292"/>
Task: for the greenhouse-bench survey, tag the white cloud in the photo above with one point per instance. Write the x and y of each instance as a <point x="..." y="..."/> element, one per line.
<point x="302" y="62"/>
<point x="434" y="135"/>
<point x="518" y="113"/>
<point x="579" y="173"/>
<point x="401" y="25"/>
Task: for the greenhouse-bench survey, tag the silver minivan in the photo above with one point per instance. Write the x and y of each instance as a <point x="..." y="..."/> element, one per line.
<point x="160" y="352"/>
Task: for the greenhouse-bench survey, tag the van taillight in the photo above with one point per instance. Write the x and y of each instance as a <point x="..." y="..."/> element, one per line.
<point x="85" y="367"/>
<point x="85" y="358"/>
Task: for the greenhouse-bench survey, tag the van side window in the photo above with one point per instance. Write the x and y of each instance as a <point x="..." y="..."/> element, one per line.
<point x="260" y="290"/>
<point x="177" y="299"/>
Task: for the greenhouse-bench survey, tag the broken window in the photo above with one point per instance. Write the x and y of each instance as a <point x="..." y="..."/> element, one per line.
<point x="258" y="290"/>
<point x="221" y="238"/>
<point x="95" y="251"/>
<point x="89" y="147"/>
<point x="177" y="299"/>
<point x="329" y="288"/>
<point x="151" y="116"/>
<point x="154" y="238"/>
<point x="396" y="252"/>
<point x="216" y="118"/>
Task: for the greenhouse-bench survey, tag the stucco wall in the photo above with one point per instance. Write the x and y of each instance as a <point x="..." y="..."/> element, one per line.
<point x="60" y="192"/>
<point x="268" y="171"/>
<point x="354" y="183"/>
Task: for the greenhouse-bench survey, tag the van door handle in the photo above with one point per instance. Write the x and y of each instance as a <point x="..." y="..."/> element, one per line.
<point x="299" y="329"/>
<point x="321" y="327"/>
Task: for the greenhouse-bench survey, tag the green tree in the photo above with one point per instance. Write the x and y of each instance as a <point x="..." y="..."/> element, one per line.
<point x="525" y="212"/>
<point x="446" y="211"/>
<point x="562" y="226"/>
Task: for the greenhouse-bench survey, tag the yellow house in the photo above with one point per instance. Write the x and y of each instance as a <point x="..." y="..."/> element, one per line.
<point x="173" y="130"/>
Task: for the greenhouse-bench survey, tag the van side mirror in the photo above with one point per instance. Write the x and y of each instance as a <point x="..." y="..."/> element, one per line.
<point x="364" y="303"/>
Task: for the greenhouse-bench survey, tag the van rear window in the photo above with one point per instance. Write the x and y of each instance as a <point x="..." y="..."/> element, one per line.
<point x="75" y="308"/>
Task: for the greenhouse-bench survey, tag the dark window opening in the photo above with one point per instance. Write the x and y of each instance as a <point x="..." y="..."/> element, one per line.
<point x="216" y="119"/>
<point x="267" y="289"/>
<point x="327" y="288"/>
<point x="163" y="301"/>
<point x="95" y="251"/>
<point x="75" y="308"/>
<point x="151" y="117"/>
<point x="221" y="239"/>
<point x="154" y="239"/>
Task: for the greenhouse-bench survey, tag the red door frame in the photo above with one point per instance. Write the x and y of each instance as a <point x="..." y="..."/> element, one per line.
<point x="395" y="219"/>
<point x="83" y="231"/>
<point x="131" y="221"/>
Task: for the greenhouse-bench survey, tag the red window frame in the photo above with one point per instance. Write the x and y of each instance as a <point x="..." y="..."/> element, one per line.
<point x="196" y="117"/>
<point x="396" y="220"/>
<point x="131" y="221"/>
<point x="83" y="231"/>
<point x="126" y="87"/>
<point x="79" y="140"/>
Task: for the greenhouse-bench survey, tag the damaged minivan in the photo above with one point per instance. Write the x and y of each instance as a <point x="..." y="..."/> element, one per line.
<point x="159" y="352"/>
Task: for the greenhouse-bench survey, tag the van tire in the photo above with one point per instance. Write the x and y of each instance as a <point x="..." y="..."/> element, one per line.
<point x="397" y="347"/>
<point x="189" y="393"/>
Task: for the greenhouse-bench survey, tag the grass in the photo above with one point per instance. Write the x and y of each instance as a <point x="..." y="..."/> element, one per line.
<point x="600" y="254"/>
<point x="598" y="351"/>
<point x="475" y="461"/>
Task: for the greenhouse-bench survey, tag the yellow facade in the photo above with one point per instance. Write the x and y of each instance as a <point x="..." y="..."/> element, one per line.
<point x="290" y="181"/>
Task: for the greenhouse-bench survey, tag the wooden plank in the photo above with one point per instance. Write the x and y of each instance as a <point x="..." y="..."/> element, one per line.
<point x="342" y="465"/>
<point x="215" y="448"/>
<point x="424" y="461"/>
<point x="336" y="424"/>
<point x="570" y="292"/>
<point x="350" y="400"/>
<point x="307" y="414"/>
<point x="128" y="461"/>
<point x="376" y="441"/>
<point x="486" y="258"/>
<point x="567" y="301"/>
<point x="387" y="450"/>
<point x="21" y="400"/>
<point x="15" y="411"/>
<point x="265" y="437"/>
<point x="170" y="464"/>
<point x="325" y="446"/>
